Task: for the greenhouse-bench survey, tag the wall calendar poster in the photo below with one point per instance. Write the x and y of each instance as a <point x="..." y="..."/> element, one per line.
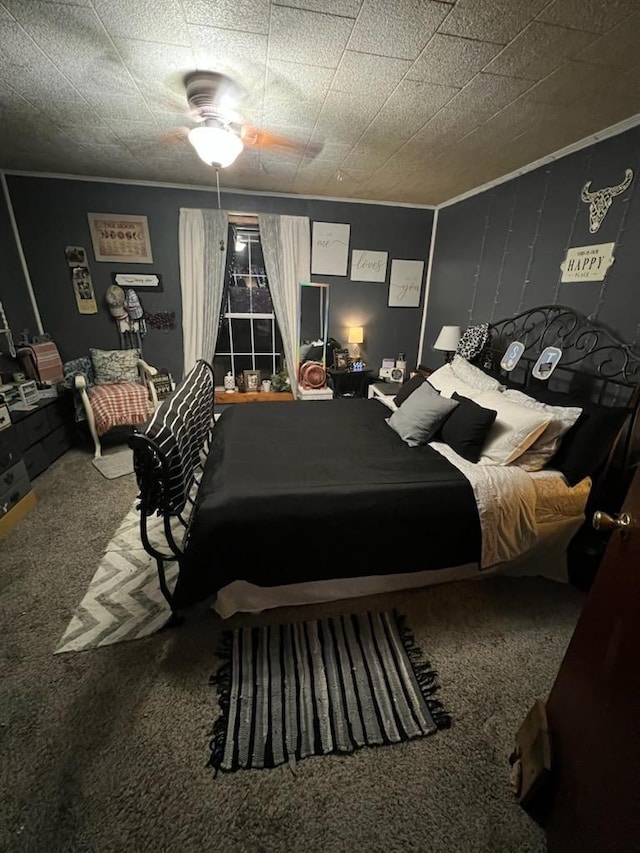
<point x="120" y="237"/>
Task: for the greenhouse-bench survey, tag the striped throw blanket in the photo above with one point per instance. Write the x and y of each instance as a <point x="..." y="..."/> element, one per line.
<point x="179" y="428"/>
<point x="44" y="362"/>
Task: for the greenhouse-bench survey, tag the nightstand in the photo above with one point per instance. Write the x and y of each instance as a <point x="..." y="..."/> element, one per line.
<point x="384" y="391"/>
<point x="350" y="383"/>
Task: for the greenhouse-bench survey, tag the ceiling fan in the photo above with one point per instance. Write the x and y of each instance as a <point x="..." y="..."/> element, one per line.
<point x="220" y="135"/>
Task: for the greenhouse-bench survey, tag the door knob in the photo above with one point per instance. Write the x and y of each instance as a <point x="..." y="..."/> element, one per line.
<point x="604" y="521"/>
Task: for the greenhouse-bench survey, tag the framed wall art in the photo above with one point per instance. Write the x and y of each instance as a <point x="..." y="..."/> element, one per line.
<point x="368" y="266"/>
<point x="330" y="248"/>
<point x="405" y="283"/>
<point x="120" y="238"/>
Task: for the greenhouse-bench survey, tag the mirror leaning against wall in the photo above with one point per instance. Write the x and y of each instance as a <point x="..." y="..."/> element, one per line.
<point x="313" y="335"/>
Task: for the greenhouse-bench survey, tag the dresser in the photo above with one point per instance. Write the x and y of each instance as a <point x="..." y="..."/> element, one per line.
<point x="44" y="433"/>
<point x="16" y="495"/>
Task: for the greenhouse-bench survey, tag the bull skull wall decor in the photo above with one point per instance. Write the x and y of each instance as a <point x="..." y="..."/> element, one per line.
<point x="600" y="201"/>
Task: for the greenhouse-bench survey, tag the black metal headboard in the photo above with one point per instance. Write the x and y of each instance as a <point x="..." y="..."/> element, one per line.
<point x="594" y="360"/>
<point x="595" y="365"/>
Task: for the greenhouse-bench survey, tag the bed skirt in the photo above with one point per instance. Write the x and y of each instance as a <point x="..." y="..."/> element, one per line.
<point x="547" y="559"/>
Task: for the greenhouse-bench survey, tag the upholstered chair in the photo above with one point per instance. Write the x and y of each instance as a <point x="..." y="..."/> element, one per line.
<point x="114" y="388"/>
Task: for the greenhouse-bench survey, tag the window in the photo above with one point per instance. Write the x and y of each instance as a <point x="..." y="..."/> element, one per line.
<point x="249" y="338"/>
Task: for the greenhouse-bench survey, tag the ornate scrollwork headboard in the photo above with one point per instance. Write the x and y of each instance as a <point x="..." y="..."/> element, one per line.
<point x="595" y="365"/>
<point x="594" y="360"/>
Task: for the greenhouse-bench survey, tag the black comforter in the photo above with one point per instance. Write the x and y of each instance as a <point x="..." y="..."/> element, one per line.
<point x="304" y="491"/>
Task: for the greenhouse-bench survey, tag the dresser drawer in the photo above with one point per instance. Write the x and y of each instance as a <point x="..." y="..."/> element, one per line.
<point x="36" y="460"/>
<point x="32" y="428"/>
<point x="55" y="416"/>
<point x="14" y="485"/>
<point x="58" y="442"/>
<point x="10" y="451"/>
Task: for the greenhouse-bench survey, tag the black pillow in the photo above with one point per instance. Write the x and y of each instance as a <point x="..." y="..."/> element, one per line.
<point x="587" y="444"/>
<point x="408" y="387"/>
<point x="466" y="428"/>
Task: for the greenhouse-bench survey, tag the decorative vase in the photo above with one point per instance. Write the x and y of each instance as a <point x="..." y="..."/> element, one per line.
<point x="229" y="382"/>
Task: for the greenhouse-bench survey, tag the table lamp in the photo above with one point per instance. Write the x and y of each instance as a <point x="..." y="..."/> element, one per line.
<point x="355" y="337"/>
<point x="447" y="341"/>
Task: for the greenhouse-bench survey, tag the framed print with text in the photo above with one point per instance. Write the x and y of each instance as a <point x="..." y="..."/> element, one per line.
<point x="120" y="238"/>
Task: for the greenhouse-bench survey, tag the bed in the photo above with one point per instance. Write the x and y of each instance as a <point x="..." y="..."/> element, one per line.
<point x="276" y="505"/>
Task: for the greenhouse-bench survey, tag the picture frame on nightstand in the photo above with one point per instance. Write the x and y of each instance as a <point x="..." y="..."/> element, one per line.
<point x="341" y="359"/>
<point x="251" y="380"/>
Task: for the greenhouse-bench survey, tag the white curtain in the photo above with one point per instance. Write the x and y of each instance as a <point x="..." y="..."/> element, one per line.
<point x="286" y="247"/>
<point x="202" y="242"/>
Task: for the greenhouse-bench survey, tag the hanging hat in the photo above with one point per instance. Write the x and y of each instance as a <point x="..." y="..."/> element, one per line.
<point x="115" y="299"/>
<point x="133" y="306"/>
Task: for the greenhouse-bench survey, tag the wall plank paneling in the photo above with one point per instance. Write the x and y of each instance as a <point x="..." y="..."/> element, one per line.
<point x="499" y="252"/>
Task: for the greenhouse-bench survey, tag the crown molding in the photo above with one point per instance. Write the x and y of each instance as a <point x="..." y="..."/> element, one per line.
<point x="198" y="188"/>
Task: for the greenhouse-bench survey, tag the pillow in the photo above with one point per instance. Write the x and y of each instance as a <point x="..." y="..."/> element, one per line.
<point x="514" y="429"/>
<point x="115" y="365"/>
<point x="466" y="429"/>
<point x="408" y="387"/>
<point x="446" y="382"/>
<point x="473" y="376"/>
<point x="587" y="444"/>
<point x="544" y="447"/>
<point x="418" y="419"/>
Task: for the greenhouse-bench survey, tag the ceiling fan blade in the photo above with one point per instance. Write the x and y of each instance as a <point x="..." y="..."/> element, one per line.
<point x="174" y="137"/>
<point x="256" y="137"/>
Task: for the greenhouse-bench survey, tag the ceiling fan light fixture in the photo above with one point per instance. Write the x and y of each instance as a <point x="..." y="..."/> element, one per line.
<point x="215" y="145"/>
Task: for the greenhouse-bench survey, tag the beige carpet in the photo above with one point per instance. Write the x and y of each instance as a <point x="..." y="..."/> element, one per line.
<point x="105" y="750"/>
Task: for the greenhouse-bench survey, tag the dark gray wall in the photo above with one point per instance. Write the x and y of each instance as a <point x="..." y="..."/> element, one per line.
<point x="52" y="214"/>
<point x="499" y="252"/>
<point x="13" y="290"/>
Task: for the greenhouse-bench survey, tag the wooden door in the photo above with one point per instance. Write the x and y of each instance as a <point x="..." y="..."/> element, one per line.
<point x="594" y="709"/>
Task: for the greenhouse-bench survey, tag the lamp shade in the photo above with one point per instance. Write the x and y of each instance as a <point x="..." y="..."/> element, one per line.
<point x="448" y="339"/>
<point x="356" y="335"/>
<point x="216" y="146"/>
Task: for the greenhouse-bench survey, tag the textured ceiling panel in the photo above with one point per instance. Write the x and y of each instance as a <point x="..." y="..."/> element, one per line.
<point x="140" y="20"/>
<point x="452" y="61"/>
<point x="397" y="29"/>
<point x="300" y="36"/>
<point x="253" y="16"/>
<point x="363" y="72"/>
<point x="491" y="20"/>
<point x="619" y="47"/>
<point x="595" y="15"/>
<point x="414" y="101"/>
<point x="346" y="8"/>
<point x="538" y="50"/>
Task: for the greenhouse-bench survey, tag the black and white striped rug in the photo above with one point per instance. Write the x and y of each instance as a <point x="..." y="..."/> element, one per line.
<point x="334" y="685"/>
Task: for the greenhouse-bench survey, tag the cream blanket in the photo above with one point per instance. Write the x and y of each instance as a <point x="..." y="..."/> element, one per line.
<point x="506" y="499"/>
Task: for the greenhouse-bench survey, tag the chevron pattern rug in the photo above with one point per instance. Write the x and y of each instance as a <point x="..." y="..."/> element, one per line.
<point x="123" y="601"/>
